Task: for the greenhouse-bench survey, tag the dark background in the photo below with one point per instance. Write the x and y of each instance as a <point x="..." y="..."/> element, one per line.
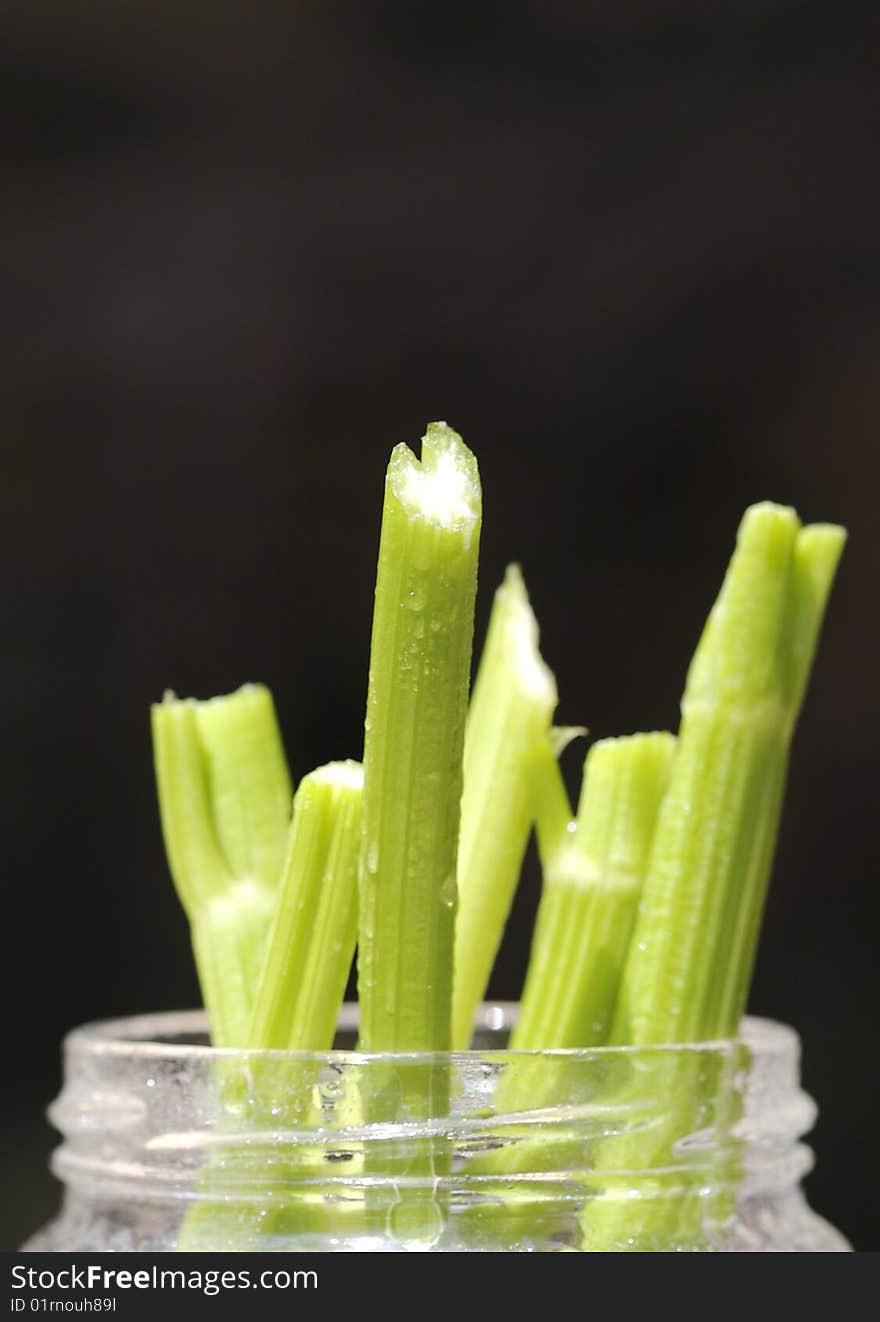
<point x="629" y="250"/>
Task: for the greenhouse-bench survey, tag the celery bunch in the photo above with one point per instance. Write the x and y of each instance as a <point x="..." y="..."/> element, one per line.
<point x="652" y="891"/>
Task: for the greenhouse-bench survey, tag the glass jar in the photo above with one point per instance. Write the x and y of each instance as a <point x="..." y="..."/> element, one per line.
<point x="169" y="1143"/>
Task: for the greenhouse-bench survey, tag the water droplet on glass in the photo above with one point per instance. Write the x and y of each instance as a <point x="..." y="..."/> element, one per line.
<point x="416" y="1223"/>
<point x="236" y="1090"/>
<point x="330" y="1087"/>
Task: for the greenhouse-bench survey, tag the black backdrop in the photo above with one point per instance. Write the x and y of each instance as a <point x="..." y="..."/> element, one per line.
<point x="630" y="250"/>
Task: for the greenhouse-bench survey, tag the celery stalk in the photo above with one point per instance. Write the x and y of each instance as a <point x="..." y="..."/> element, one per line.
<point x="296" y="1007"/>
<point x="687" y="971"/>
<point x="311" y="946"/>
<point x="689" y="964"/>
<point x="817" y="552"/>
<point x="593" y="876"/>
<point x="224" y="798"/>
<point x="512" y="706"/>
<point x="414" y="734"/>
<point x="414" y="737"/>
<point x="593" y="869"/>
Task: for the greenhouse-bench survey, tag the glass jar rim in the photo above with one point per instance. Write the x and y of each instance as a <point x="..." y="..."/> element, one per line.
<point x="162" y="1036"/>
<point x="144" y="1103"/>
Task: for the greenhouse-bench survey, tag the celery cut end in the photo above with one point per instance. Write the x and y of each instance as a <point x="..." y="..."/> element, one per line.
<point x="345" y="775"/>
<point x="443" y="487"/>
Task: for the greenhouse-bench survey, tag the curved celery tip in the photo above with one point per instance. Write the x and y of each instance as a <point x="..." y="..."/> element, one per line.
<point x="511" y="708"/>
<point x="312" y="942"/>
<point x="560" y="736"/>
<point x="414" y="735"/>
<point x="224" y="799"/>
<point x="593" y="872"/>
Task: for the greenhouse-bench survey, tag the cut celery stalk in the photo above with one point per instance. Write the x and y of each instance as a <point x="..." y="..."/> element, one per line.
<point x="414" y="734"/>
<point x="817" y="554"/>
<point x="224" y="798"/>
<point x="690" y="959"/>
<point x="311" y="946"/>
<point x="296" y="1007"/>
<point x="511" y="708"/>
<point x="593" y="873"/>
<point x="592" y="868"/>
<point x="686" y="975"/>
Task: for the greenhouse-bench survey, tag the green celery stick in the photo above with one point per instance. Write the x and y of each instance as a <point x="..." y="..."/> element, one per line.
<point x="687" y="970"/>
<point x="224" y="798"/>
<point x="311" y="946"/>
<point x="690" y="958"/>
<point x="414" y="734"/>
<point x="593" y="869"/>
<point x="817" y="552"/>
<point x="296" y="1007"/>
<point x="511" y="707"/>
<point x="593" y="873"/>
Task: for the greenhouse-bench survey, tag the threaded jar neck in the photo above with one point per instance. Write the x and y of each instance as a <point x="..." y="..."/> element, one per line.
<point x="549" y="1146"/>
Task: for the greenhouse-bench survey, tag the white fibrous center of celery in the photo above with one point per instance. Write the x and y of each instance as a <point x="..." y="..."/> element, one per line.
<point x="347" y="775"/>
<point x="441" y="492"/>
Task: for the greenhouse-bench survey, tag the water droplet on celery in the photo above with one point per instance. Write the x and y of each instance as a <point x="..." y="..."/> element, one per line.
<point x="449" y="891"/>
